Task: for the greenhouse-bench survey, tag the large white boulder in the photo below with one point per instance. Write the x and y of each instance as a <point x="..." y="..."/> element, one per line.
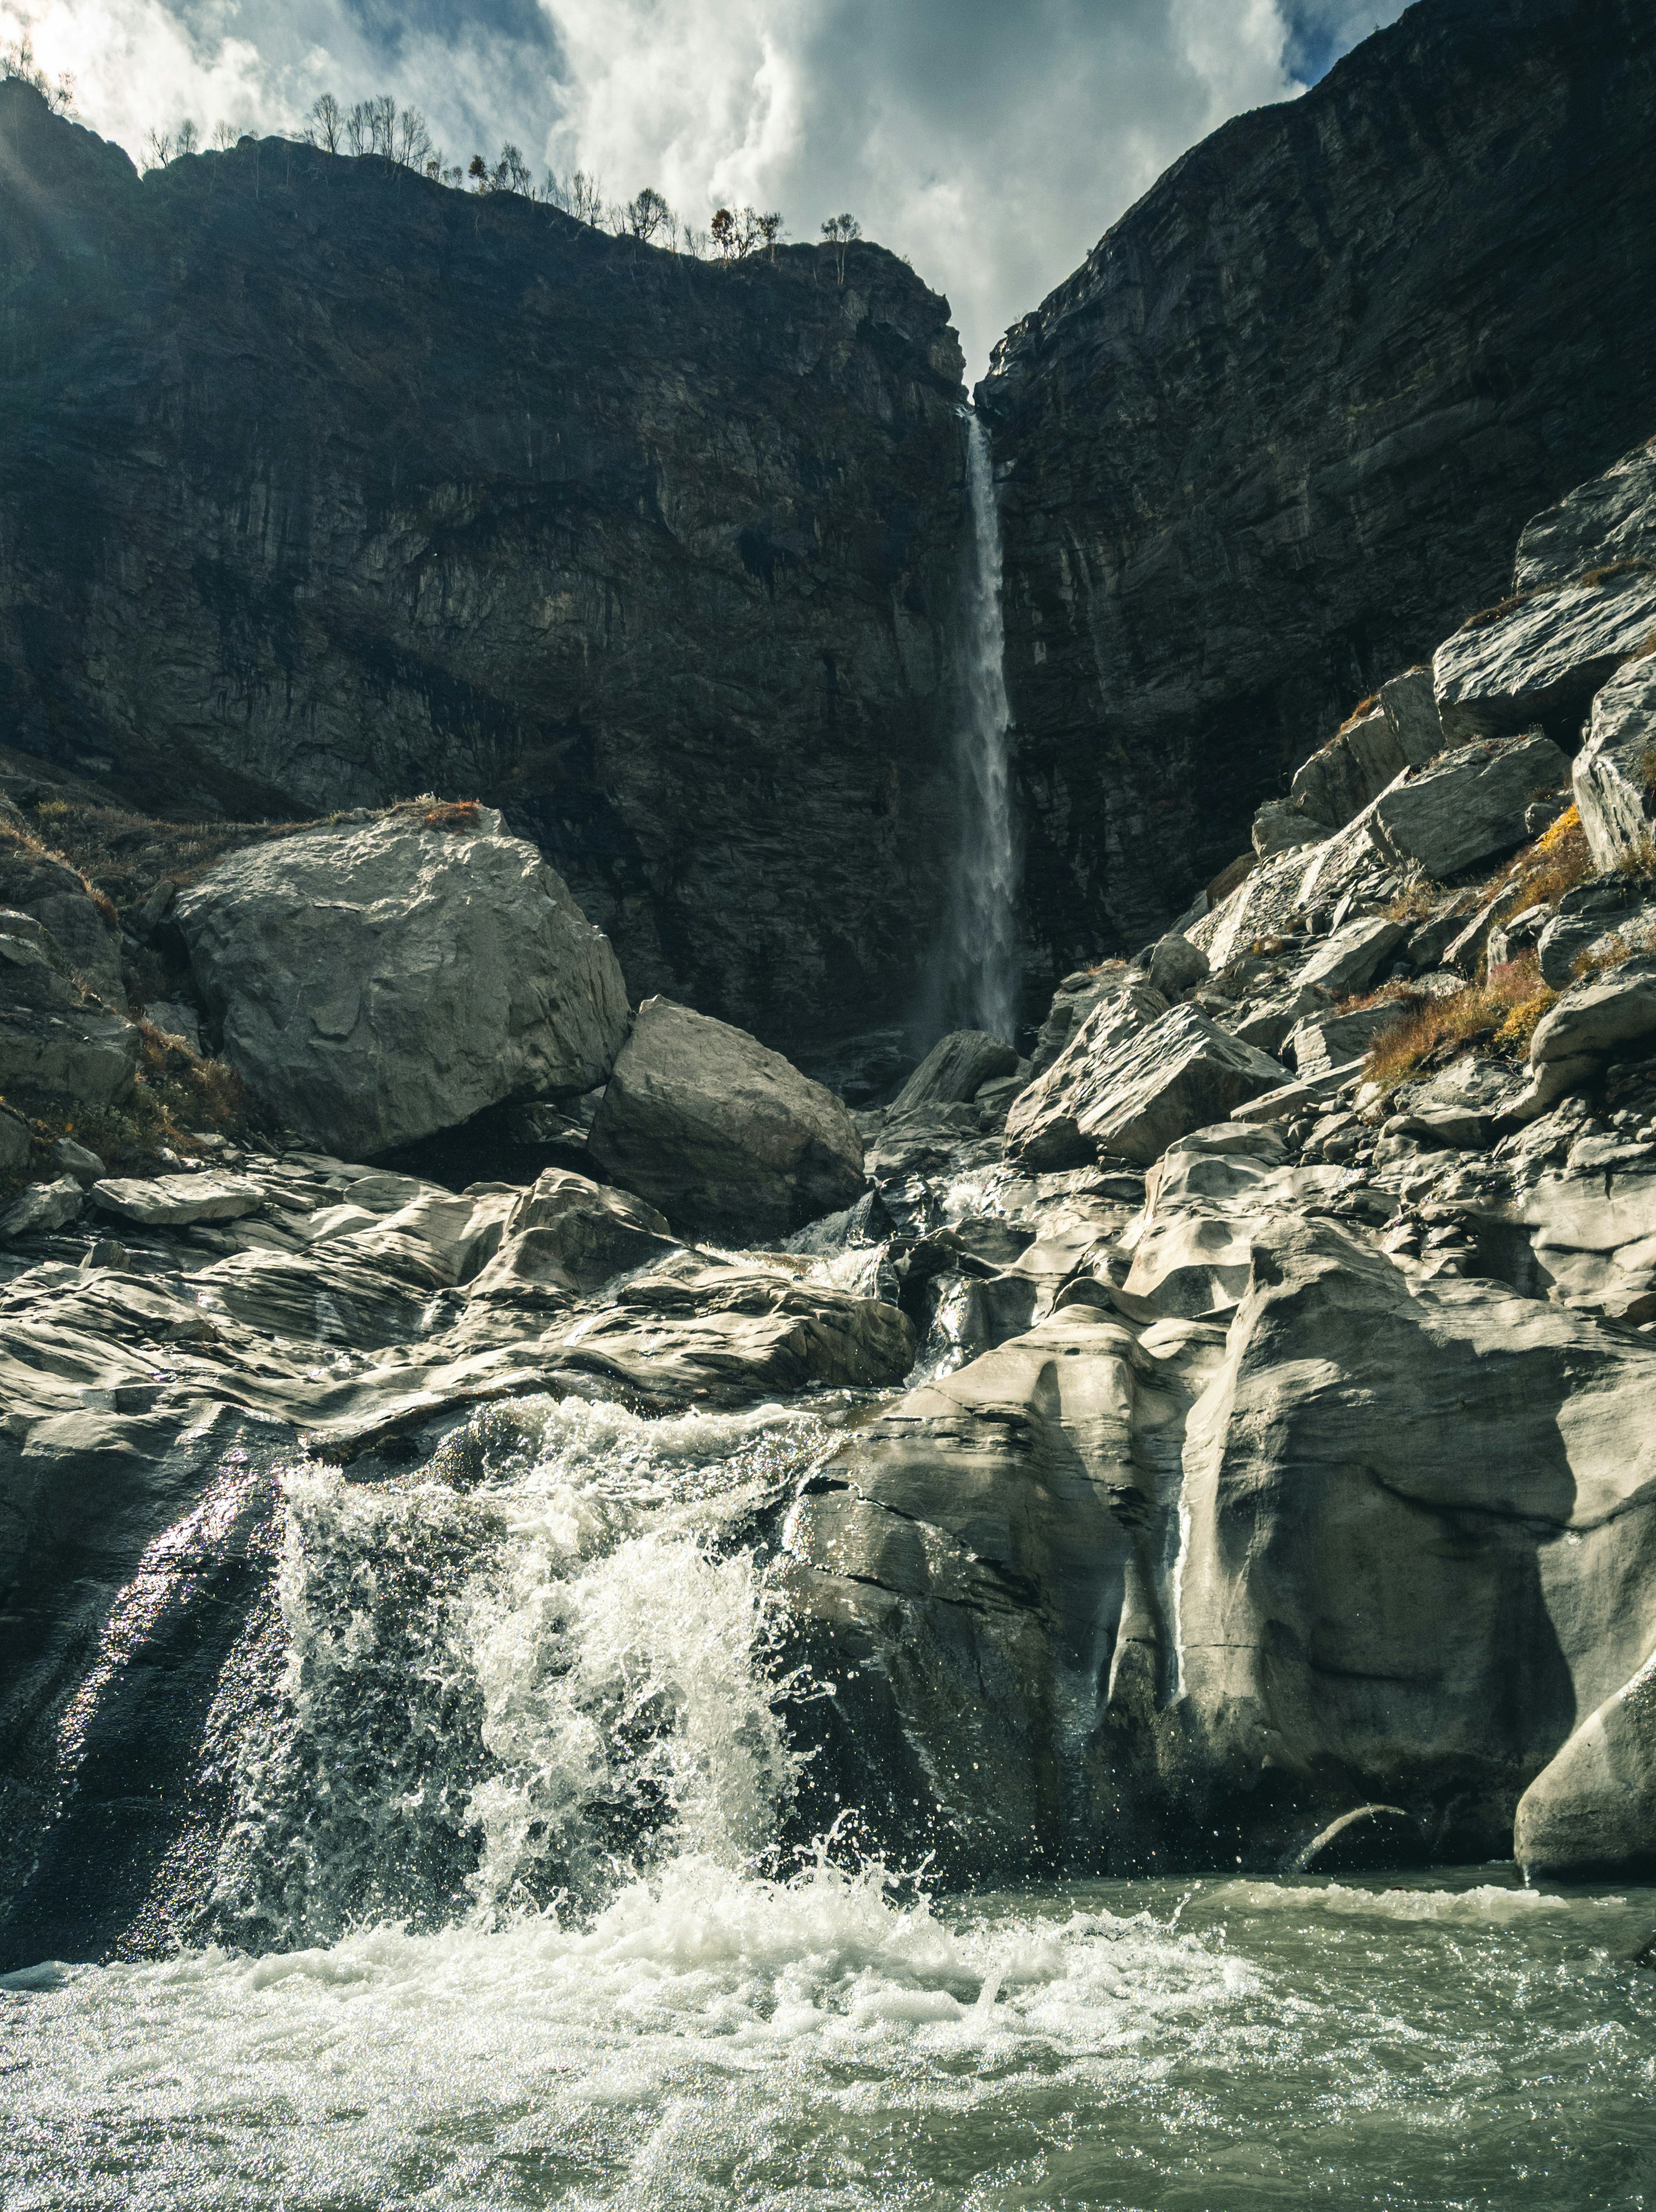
<point x="384" y="979"/>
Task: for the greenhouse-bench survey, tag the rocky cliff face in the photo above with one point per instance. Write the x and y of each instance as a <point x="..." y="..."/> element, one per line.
<point x="321" y="485"/>
<point x="1280" y="431"/>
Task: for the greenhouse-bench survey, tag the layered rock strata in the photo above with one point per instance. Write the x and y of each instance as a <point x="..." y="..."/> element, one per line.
<point x="462" y="495"/>
<point x="1274" y="437"/>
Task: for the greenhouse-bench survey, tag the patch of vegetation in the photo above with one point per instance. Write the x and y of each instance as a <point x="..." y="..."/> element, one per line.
<point x="1500" y="1012"/>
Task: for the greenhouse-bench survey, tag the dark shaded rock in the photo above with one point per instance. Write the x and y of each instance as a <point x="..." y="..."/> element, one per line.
<point x="728" y="1139"/>
<point x="1362" y="337"/>
<point x="955" y="1070"/>
<point x="467" y="497"/>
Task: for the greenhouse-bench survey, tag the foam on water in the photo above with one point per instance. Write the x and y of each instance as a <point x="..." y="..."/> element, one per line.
<point x="714" y="2037"/>
<point x="541" y="1665"/>
<point x="509" y="1926"/>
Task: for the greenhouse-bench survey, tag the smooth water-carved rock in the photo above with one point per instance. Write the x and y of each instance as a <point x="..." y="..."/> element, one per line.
<point x="383" y="981"/>
<point x="1591" y="1815"/>
<point x="726" y="1137"/>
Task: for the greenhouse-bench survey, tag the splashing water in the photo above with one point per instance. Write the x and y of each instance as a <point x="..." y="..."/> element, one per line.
<point x="979" y="964"/>
<point x="511" y="1927"/>
<point x="507" y="1684"/>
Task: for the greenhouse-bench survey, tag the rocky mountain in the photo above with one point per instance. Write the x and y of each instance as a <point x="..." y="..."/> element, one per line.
<point x="1280" y="431"/>
<point x="322" y="485"/>
<point x="1220" y="1438"/>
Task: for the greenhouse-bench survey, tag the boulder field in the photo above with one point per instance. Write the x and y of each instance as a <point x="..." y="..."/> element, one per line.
<point x="1238" y="1411"/>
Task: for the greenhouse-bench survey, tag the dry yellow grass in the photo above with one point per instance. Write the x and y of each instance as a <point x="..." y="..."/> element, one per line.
<point x="1502" y="1012"/>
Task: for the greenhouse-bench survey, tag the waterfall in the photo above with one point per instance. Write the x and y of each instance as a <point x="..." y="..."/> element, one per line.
<point x="978" y="963"/>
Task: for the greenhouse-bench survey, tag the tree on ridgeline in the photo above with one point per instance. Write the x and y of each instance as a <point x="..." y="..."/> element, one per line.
<point x="838" y="232"/>
<point x="324" y="126"/>
<point x="644" y="216"/>
<point x="19" y="61"/>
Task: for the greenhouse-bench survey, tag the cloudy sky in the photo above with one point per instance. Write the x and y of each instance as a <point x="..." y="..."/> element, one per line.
<point x="991" y="141"/>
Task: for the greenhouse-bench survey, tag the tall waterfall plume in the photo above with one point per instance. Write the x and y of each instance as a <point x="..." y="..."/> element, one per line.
<point x="979" y="959"/>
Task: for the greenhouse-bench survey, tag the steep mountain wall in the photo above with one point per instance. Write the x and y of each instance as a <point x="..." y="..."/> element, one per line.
<point x="321" y="485"/>
<point x="1280" y="432"/>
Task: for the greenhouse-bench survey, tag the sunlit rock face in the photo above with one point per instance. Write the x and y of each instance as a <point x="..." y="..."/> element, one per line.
<point x="322" y="485"/>
<point x="1277" y="435"/>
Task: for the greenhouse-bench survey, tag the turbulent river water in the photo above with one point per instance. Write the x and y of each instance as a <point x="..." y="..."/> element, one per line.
<point x="499" y="1917"/>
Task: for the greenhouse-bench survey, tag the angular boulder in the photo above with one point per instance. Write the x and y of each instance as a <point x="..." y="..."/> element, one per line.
<point x="1175" y="965"/>
<point x="33" y="883"/>
<point x="1043" y="1125"/>
<point x="175" y="1201"/>
<point x="955" y="1070"/>
<point x="1155" y="1083"/>
<point x="1598" y="1014"/>
<point x="1468" y="805"/>
<point x="378" y="981"/>
<point x="1410" y="705"/>
<point x="1334" y="786"/>
<point x="1538" y="664"/>
<point x="1350" y="960"/>
<point x="726" y="1137"/>
<point x="1325" y="1042"/>
<point x="55" y="1037"/>
<point x="1608" y="519"/>
<point x="1615" y="772"/>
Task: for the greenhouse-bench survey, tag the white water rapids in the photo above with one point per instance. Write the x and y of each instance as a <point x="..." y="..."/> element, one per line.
<point x="502" y="1925"/>
<point x="979" y="959"/>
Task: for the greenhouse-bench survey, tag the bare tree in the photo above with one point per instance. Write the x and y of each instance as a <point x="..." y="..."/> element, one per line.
<point x="770" y="229"/>
<point x="511" y="171"/>
<point x="18" y="61"/>
<point x="413" y="146"/>
<point x="382" y="126"/>
<point x="585" y="198"/>
<point x="325" y="124"/>
<point x="187" y="141"/>
<point x="839" y="231"/>
<point x="359" y="124"/>
<point x="157" y="150"/>
<point x="224" y="136"/>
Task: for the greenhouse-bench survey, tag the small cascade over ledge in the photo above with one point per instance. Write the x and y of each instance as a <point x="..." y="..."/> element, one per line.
<point x="977" y="963"/>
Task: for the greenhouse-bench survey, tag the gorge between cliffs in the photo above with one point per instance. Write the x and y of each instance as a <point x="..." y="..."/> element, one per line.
<point x="828" y="1208"/>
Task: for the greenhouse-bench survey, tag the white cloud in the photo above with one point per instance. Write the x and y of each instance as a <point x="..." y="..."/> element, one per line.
<point x="991" y="142"/>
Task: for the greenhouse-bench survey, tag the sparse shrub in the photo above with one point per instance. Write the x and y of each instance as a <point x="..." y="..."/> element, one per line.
<point x="1502" y="1012"/>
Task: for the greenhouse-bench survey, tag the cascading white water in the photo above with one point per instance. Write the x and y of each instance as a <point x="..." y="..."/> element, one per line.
<point x="978" y="963"/>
